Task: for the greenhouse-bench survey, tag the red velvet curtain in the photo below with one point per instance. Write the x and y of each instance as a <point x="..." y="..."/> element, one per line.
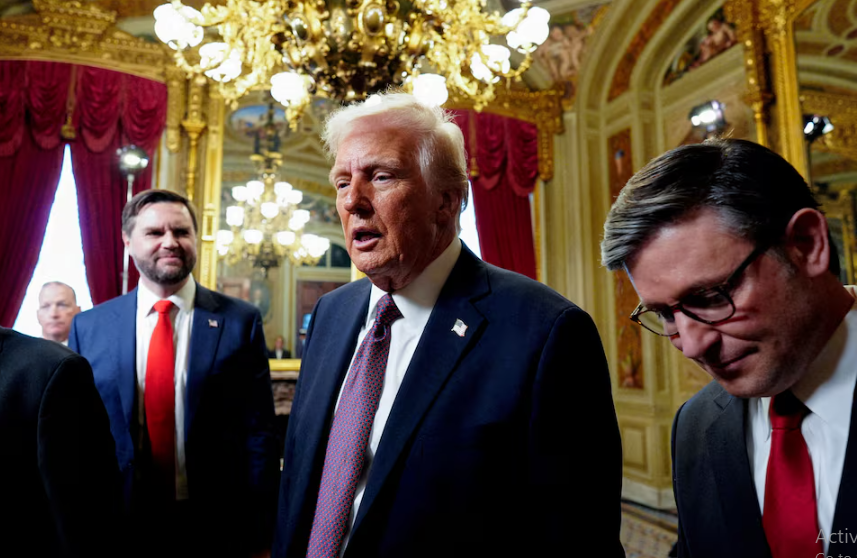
<point x="32" y="105"/>
<point x="504" y="153"/>
<point x="113" y="110"/>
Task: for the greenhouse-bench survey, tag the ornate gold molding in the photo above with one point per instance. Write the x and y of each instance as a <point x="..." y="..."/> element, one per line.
<point x="193" y="125"/>
<point x="80" y="32"/>
<point x="622" y="76"/>
<point x="771" y="33"/>
<point x="745" y="16"/>
<point x="542" y="108"/>
<point x="176" y="87"/>
<point x="213" y="161"/>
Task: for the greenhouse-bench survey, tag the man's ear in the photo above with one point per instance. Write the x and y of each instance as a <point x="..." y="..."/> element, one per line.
<point x="807" y="242"/>
<point x="450" y="205"/>
<point x="126" y="240"/>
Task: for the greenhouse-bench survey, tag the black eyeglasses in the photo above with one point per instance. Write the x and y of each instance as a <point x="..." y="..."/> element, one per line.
<point x="709" y="306"/>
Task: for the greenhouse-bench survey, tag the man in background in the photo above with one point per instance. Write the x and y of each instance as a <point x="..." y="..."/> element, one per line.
<point x="183" y="372"/>
<point x="415" y="430"/>
<point x="57" y="307"/>
<point x="59" y="483"/>
<point x="733" y="263"/>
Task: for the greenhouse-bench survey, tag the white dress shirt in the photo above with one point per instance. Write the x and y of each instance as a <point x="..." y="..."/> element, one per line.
<point x="181" y="316"/>
<point x="827" y="390"/>
<point x="415" y="302"/>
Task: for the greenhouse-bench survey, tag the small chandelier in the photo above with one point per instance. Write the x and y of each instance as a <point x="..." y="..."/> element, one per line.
<point x="347" y="49"/>
<point x="266" y="224"/>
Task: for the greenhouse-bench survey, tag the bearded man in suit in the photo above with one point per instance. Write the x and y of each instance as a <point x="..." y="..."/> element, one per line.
<point x="183" y="372"/>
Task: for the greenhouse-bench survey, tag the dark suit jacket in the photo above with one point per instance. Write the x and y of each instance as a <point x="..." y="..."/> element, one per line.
<point x="718" y="510"/>
<point x="230" y="444"/>
<point x="59" y="483"/>
<point x="503" y="442"/>
<point x="272" y="353"/>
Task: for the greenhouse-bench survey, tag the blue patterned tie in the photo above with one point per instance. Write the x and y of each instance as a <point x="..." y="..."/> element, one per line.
<point x="352" y="423"/>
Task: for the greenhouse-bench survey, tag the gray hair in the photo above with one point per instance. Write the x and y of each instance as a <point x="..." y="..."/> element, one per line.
<point x="440" y="143"/>
<point x="754" y="190"/>
<point x="59" y="284"/>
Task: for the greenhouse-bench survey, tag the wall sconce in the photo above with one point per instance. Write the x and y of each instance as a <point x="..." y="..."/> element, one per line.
<point x="815" y="126"/>
<point x="132" y="160"/>
<point x="708" y="116"/>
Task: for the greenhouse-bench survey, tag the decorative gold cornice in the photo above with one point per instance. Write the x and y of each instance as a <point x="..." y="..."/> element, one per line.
<point x="83" y="33"/>
<point x="542" y="108"/>
<point x="745" y="16"/>
<point x="622" y="76"/>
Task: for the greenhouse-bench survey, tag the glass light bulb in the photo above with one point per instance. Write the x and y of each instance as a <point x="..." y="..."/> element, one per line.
<point x="255" y="189"/>
<point x="253" y="236"/>
<point x="270" y="210"/>
<point x="290" y="87"/>
<point x="295" y="197"/>
<point x="234" y="216"/>
<point x="281" y="189"/>
<point x="430" y="89"/>
<point x="224" y="237"/>
<point x="286" y="238"/>
<point x="301" y="215"/>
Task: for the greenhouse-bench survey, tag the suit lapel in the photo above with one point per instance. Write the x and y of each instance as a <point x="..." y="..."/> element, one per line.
<point x="727" y="450"/>
<point x="845" y="515"/>
<point x="122" y="331"/>
<point x="436" y="356"/>
<point x="331" y="348"/>
<point x="208" y="323"/>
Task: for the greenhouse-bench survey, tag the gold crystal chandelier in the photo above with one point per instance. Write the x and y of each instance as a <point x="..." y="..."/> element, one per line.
<point x="347" y="49"/>
<point x="266" y="225"/>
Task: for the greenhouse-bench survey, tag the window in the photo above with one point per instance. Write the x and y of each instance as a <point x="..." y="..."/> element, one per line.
<point x="61" y="258"/>
<point x="469" y="234"/>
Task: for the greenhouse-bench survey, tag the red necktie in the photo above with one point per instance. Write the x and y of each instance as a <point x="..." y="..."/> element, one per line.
<point x="789" y="518"/>
<point x="159" y="399"/>
<point x="352" y="422"/>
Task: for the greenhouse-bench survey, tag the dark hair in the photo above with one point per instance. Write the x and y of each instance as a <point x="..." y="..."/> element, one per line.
<point x="754" y="190"/>
<point x="148" y="197"/>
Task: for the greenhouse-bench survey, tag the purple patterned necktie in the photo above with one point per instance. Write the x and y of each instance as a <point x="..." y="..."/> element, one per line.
<point x="352" y="422"/>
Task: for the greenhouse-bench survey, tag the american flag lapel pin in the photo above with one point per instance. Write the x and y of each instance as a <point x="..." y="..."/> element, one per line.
<point x="459" y="328"/>
<point x="212" y="323"/>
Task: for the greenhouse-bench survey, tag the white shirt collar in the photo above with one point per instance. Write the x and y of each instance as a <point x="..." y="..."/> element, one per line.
<point x="828" y="386"/>
<point x="421" y="293"/>
<point x="183" y="298"/>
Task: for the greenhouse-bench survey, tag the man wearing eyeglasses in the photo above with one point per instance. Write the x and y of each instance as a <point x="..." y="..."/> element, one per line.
<point x="732" y="261"/>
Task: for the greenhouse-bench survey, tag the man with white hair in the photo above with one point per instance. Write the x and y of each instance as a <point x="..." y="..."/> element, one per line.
<point x="435" y="412"/>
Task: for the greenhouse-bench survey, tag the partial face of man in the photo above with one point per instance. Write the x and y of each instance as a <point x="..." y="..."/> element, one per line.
<point x="163" y="243"/>
<point x="758" y="351"/>
<point x="56" y="310"/>
<point x="395" y="225"/>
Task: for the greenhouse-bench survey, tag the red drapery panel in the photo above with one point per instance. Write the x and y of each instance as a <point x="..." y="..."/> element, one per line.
<point x="31" y="96"/>
<point x="110" y="110"/>
<point x="504" y="152"/>
<point x="113" y="110"/>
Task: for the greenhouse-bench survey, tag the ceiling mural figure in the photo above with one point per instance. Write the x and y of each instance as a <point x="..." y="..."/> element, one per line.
<point x="717" y="36"/>
<point x="562" y="53"/>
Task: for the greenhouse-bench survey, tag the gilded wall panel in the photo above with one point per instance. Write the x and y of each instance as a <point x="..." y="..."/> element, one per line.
<point x="629" y="345"/>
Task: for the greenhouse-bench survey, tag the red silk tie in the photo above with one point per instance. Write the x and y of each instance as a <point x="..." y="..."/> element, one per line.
<point x="159" y="399"/>
<point x="789" y="517"/>
<point x="349" y="434"/>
